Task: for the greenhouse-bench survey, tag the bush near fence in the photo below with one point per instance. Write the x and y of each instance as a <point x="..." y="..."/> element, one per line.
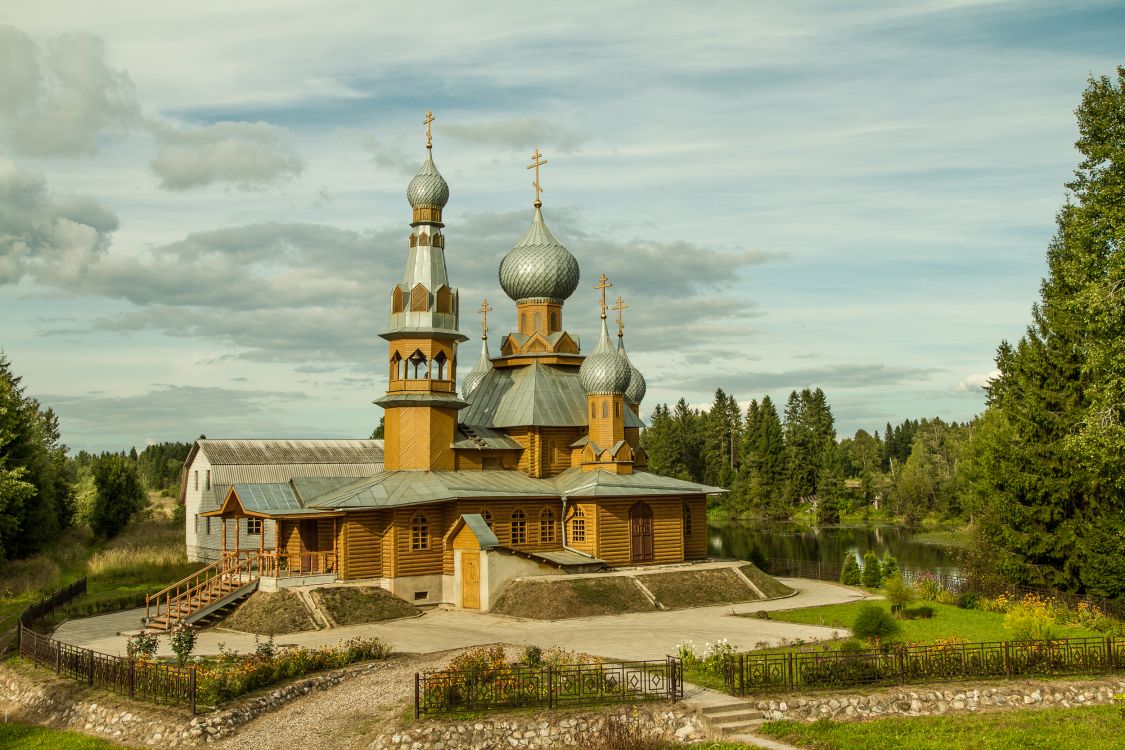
<point x="904" y="664"/>
<point x="548" y="686"/>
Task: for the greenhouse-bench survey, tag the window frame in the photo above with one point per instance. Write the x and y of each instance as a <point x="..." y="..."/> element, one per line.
<point x="518" y="531"/>
<point x="419" y="533"/>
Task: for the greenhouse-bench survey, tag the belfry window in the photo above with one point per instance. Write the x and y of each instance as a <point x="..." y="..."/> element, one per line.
<point x="419" y="532"/>
<point x="419" y="369"/>
<point x="547" y="525"/>
<point x="578" y="526"/>
<point x="519" y="527"/>
<point x="439" y="364"/>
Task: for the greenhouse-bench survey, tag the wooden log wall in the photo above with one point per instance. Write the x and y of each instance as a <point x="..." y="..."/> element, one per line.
<point x="502" y="524"/>
<point x="695" y="546"/>
<point x="614" y="530"/>
<point x="361" y="548"/>
<point x="589" y="546"/>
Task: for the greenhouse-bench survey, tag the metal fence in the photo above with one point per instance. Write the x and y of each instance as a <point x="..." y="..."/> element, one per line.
<point x="899" y="665"/>
<point x="52" y="602"/>
<point x="452" y="691"/>
<point x="957" y="584"/>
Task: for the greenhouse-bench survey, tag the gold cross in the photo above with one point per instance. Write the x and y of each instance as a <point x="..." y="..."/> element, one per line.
<point x="429" y="118"/>
<point x="535" y="164"/>
<point x="484" y="311"/>
<point x="620" y="323"/>
<point x="603" y="284"/>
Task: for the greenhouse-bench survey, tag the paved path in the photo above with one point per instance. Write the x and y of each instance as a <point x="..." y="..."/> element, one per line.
<point x="648" y="635"/>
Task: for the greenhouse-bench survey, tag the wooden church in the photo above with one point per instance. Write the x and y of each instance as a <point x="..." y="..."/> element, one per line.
<point x="534" y="466"/>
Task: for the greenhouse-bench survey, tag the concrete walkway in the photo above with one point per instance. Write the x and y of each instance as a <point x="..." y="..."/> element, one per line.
<point x="648" y="635"/>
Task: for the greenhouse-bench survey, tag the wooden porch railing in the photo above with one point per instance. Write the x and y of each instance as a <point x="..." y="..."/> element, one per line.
<point x="281" y="564"/>
<point x="191" y="594"/>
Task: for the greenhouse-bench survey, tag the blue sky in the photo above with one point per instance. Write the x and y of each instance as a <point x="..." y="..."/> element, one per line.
<point x="202" y="209"/>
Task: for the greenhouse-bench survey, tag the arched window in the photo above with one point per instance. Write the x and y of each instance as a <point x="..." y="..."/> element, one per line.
<point x="519" y="527"/>
<point x="578" y="526"/>
<point x="547" y="525"/>
<point x="539" y="322"/>
<point x="396" y="366"/>
<point x="554" y="318"/>
<point x="605" y="409"/>
<point x="593" y="409"/>
<point x="439" y="365"/>
<point x="486" y="514"/>
<point x="419" y="532"/>
<point x="419" y="369"/>
<point x="687" y="520"/>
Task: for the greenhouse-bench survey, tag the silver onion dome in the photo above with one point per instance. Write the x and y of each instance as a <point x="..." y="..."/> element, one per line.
<point x="635" y="391"/>
<point x="539" y="267"/>
<point x="428" y="188"/>
<point x="605" y="371"/>
<point x="480" y="369"/>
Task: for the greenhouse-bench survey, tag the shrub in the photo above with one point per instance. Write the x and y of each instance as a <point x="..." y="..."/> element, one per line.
<point x="945" y="596"/>
<point x="852" y="645"/>
<point x="899" y="593"/>
<point x="715" y="656"/>
<point x="686" y="651"/>
<point x="622" y="733"/>
<point x="532" y="656"/>
<point x="968" y="600"/>
<point x="1031" y="619"/>
<point x="141" y="646"/>
<point x="889" y="565"/>
<point x="928" y="587"/>
<point x="183" y="642"/>
<point x="849" y="576"/>
<point x="918" y="613"/>
<point x="264" y="649"/>
<point x="875" y="624"/>
<point x="872" y="571"/>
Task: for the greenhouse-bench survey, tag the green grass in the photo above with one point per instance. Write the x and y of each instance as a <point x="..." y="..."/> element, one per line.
<point x="948" y="622"/>
<point x="1082" y="728"/>
<point x="27" y="737"/>
<point x="353" y="605"/>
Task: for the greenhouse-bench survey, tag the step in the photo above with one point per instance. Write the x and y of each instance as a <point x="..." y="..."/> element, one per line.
<point x="741" y="727"/>
<point x="741" y="714"/>
<point x="722" y="708"/>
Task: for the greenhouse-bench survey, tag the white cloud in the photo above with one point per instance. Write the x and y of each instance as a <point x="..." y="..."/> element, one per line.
<point x="247" y="154"/>
<point x="60" y="95"/>
<point x="52" y="238"/>
<point x="975" y="382"/>
<point x="523" y="132"/>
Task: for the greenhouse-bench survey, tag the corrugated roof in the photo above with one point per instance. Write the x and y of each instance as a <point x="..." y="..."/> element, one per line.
<point x="576" y="482"/>
<point x="535" y="395"/>
<point x="273" y="452"/>
<point x="394" y="488"/>
<point x="267" y="498"/>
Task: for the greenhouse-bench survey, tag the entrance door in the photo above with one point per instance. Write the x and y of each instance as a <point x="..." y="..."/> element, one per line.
<point x="310" y="560"/>
<point x="640" y="533"/>
<point x="470" y="580"/>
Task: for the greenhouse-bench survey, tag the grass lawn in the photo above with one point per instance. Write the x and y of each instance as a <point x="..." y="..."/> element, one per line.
<point x="948" y="622"/>
<point x="1081" y="728"/>
<point x="353" y="605"/>
<point x="28" y="737"/>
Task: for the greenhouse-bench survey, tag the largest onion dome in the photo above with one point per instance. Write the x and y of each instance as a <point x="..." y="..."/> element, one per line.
<point x="428" y="189"/>
<point x="480" y="369"/>
<point x="605" y="371"/>
<point x="539" y="267"/>
<point x="635" y="391"/>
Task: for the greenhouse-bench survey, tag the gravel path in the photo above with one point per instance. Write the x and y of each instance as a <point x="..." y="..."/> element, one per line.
<point x="345" y="717"/>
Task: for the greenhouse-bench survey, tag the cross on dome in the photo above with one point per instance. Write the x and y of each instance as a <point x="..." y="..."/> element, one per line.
<point x="537" y="161"/>
<point x="603" y="284"/>
<point x="619" y="307"/>
<point x="429" y="138"/>
<point x="484" y="310"/>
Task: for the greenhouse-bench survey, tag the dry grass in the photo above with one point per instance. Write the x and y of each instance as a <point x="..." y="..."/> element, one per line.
<point x="40" y="574"/>
<point x="354" y="605"/>
<point x="146" y="551"/>
<point x="270" y="614"/>
<point x="769" y="585"/>
<point x="623" y="733"/>
<point x="563" y="598"/>
<point x="698" y="588"/>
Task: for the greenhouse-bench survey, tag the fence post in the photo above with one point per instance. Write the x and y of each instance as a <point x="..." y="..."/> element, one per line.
<point x="550" y="686"/>
<point x="132" y="677"/>
<point x="91" y="662"/>
<point x="1109" y="655"/>
<point x="742" y="674"/>
<point x="902" y="665"/>
<point x="1007" y="661"/>
<point x="417" y="694"/>
<point x="789" y="661"/>
<point x="192" y="687"/>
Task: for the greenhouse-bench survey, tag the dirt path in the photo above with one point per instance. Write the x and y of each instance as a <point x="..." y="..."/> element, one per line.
<point x="346" y="717"/>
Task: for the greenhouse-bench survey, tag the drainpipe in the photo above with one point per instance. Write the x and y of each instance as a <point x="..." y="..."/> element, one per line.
<point x="564" y="544"/>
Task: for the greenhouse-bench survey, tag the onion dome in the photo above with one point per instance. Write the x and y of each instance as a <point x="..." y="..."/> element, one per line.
<point x="480" y="369"/>
<point x="605" y="371"/>
<point x="428" y="189"/>
<point x="538" y="267"/>
<point x="635" y="391"/>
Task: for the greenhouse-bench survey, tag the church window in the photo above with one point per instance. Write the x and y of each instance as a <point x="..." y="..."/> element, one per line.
<point x="419" y="532"/>
<point x="554" y="317"/>
<point x="687" y="520"/>
<point x="539" y="322"/>
<point x="439" y="363"/>
<point x="486" y="514"/>
<point x="413" y="240"/>
<point x="547" y="525"/>
<point x="424" y="239"/>
<point x="605" y="409"/>
<point x="519" y="527"/>
<point x="616" y="409"/>
<point x="523" y="322"/>
<point x="578" y="526"/>
<point x="444" y="300"/>
<point x="419" y="298"/>
<point x="419" y="365"/>
<point x="593" y="410"/>
<point x="253" y="526"/>
<point x="396" y="367"/>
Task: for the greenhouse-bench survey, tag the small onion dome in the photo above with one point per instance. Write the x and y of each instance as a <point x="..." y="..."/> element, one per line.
<point x="428" y="188"/>
<point x="635" y="392"/>
<point x="605" y="371"/>
<point x="480" y="369"/>
<point x="539" y="266"/>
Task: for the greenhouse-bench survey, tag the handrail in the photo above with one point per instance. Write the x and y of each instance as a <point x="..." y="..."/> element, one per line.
<point x="185" y="579"/>
<point x="203" y="581"/>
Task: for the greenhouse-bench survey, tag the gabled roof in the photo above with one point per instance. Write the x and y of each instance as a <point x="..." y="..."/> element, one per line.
<point x="475" y="521"/>
<point x="272" y="500"/>
<point x="272" y="452"/>
<point x="396" y="488"/>
<point x="534" y="395"/>
<point x="482" y="438"/>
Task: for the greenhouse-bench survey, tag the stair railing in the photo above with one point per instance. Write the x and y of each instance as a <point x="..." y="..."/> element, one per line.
<point x="241" y="567"/>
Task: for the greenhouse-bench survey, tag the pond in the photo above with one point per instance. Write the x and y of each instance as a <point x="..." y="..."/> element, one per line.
<point x="827" y="544"/>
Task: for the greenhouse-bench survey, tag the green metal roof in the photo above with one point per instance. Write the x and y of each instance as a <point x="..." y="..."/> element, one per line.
<point x="485" y="537"/>
<point x="268" y="499"/>
<point x="395" y="488"/>
<point x="576" y="482"/>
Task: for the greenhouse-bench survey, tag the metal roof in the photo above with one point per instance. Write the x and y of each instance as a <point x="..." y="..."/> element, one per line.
<point x="576" y="482"/>
<point x="267" y="498"/>
<point x="482" y="438"/>
<point x="485" y="537"/>
<point x="273" y="452"/>
<point x="395" y="488"/>
<point x="537" y="394"/>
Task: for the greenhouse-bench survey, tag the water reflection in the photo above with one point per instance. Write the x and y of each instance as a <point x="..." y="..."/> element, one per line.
<point x="827" y="544"/>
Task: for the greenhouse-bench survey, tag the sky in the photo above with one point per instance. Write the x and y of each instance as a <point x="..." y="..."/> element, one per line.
<point x="202" y="205"/>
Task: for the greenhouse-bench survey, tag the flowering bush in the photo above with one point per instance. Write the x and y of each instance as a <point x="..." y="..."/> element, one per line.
<point x="686" y="651"/>
<point x="183" y="642"/>
<point x="928" y="587"/>
<point x="233" y="676"/>
<point x="715" y="655"/>
<point x="141" y="646"/>
<point x="1033" y="618"/>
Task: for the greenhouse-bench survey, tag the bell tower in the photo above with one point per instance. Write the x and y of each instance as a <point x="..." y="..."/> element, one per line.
<point x="421" y="403"/>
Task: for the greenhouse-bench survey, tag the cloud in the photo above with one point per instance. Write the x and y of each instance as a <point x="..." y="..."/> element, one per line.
<point x="521" y="132"/>
<point x="59" y="96"/>
<point x="389" y="158"/>
<point x="976" y="383"/>
<point x="834" y="376"/>
<point x="53" y="239"/>
<point x="246" y="154"/>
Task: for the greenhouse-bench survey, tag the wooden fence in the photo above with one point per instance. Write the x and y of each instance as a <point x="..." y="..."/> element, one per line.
<point x="551" y="686"/>
<point x="901" y="664"/>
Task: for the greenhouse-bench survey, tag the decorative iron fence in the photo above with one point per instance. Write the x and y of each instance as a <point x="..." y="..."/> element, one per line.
<point x="900" y="665"/>
<point x="160" y="683"/>
<point x="957" y="584"/>
<point x="450" y="691"/>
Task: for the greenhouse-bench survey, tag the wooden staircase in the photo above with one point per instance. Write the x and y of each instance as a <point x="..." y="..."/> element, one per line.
<point x="231" y="578"/>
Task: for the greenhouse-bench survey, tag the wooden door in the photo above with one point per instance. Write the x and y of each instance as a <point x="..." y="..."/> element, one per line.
<point x="310" y="560"/>
<point x="470" y="580"/>
<point x="640" y="533"/>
